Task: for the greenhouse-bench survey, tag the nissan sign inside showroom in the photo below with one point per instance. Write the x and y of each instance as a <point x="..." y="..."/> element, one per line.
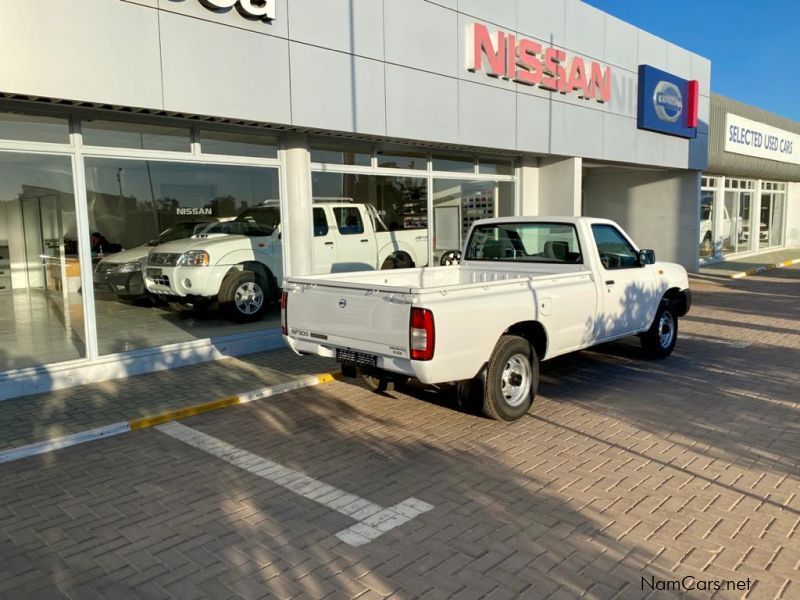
<point x="667" y="104"/>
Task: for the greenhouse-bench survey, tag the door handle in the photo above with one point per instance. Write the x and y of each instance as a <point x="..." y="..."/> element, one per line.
<point x="329" y="243"/>
<point x="364" y="241"/>
<point x="610" y="282"/>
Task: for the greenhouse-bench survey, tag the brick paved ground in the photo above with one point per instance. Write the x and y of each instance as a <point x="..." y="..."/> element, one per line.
<point x="624" y="468"/>
<point x="44" y="416"/>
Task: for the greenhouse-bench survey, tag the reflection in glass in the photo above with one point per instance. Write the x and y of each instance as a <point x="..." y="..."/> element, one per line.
<point x="736" y="221"/>
<point x="135" y="135"/>
<point x="229" y="143"/>
<point x="458" y="164"/>
<point x="491" y="166"/>
<point x="338" y="154"/>
<point x="33" y="128"/>
<point x="403" y="160"/>
<point x="369" y="221"/>
<point x="41" y="309"/>
<point x="707" y="233"/>
<point x="457" y="203"/>
<point x="137" y="207"/>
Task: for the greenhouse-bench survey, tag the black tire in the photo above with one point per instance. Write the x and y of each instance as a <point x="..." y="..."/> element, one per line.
<point x="706" y="247"/>
<point x="397" y="261"/>
<point x="244" y="296"/>
<point x="659" y="341"/>
<point x="451" y="257"/>
<point x="506" y="395"/>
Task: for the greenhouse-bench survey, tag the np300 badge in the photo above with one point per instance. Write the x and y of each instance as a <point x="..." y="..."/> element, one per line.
<point x="667" y="101"/>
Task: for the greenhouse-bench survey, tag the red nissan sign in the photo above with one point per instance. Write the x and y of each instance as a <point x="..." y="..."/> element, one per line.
<point x="527" y="62"/>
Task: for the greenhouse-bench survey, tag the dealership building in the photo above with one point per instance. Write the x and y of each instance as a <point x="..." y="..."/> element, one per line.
<point x="122" y="119"/>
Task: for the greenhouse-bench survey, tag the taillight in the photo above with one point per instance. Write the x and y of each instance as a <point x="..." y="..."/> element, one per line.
<point x="284" y="304"/>
<point x="422" y="334"/>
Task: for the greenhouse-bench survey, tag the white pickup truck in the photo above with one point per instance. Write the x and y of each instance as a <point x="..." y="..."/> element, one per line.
<point x="239" y="263"/>
<point x="526" y="290"/>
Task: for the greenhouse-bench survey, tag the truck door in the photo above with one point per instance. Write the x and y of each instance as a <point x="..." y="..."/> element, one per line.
<point x="325" y="252"/>
<point x="628" y="291"/>
<point x="355" y="240"/>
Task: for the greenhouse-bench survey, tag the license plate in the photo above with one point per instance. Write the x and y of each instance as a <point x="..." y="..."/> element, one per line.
<point x="356" y="359"/>
<point x="153" y="272"/>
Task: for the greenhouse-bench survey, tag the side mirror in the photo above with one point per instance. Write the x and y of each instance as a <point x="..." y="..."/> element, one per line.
<point x="647" y="257"/>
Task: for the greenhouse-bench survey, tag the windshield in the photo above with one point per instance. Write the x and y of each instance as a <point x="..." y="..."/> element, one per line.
<point x="525" y="242"/>
<point x="252" y="222"/>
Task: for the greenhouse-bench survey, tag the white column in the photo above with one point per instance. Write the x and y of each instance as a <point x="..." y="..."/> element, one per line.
<point x="296" y="206"/>
<point x="560" y="182"/>
<point x="717" y="215"/>
<point x="528" y="184"/>
<point x="755" y="221"/>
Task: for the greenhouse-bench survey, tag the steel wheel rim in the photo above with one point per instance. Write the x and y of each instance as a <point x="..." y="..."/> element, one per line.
<point x="249" y="298"/>
<point x="515" y="381"/>
<point x="666" y="329"/>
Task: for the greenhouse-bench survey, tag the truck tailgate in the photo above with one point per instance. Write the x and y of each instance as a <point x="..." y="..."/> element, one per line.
<point x="367" y="320"/>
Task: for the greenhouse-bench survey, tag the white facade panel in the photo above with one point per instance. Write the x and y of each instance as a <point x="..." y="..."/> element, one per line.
<point x="432" y="114"/>
<point x="230" y="17"/>
<point x="499" y="12"/>
<point x="486" y="116"/>
<point x="649" y="148"/>
<point x="61" y="52"/>
<point x="652" y="51"/>
<point x="434" y="47"/>
<point x="679" y="61"/>
<point x="338" y="91"/>
<point x="585" y="29"/>
<point x="619" y="138"/>
<point x="621" y="44"/>
<point x="542" y="19"/>
<point x="353" y="26"/>
<point x="533" y="124"/>
<point x="676" y="152"/>
<point x="208" y="70"/>
<point x="576" y="131"/>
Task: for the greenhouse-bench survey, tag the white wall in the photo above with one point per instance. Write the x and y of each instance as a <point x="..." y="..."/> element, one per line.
<point x="658" y="209"/>
<point x="793" y="215"/>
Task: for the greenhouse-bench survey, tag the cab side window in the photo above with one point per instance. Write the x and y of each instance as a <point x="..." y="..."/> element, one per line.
<point x="615" y="251"/>
<point x="320" y="223"/>
<point x="349" y="220"/>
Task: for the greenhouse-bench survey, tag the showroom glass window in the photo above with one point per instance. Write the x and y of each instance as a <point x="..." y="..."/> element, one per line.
<point x="773" y="214"/>
<point x="388" y="214"/>
<point x="418" y="204"/>
<point x="737" y="215"/>
<point x="137" y="206"/>
<point x="708" y="204"/>
<point x="41" y="308"/>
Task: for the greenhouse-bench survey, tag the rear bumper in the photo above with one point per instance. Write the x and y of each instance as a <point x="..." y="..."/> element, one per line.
<point x="394" y="364"/>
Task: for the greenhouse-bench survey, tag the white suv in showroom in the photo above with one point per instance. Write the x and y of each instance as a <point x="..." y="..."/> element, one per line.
<point x="239" y="263"/>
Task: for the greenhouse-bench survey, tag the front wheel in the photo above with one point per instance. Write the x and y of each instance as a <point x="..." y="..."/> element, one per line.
<point x="243" y="296"/>
<point x="659" y="341"/>
<point x="512" y="378"/>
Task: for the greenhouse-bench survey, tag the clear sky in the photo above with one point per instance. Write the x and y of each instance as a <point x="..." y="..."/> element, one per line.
<point x="753" y="45"/>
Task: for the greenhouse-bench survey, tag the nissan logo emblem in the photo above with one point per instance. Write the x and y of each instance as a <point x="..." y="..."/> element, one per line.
<point x="342" y="303"/>
<point x="667" y="101"/>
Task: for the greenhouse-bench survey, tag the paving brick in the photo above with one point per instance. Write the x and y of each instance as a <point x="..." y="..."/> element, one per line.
<point x="623" y="468"/>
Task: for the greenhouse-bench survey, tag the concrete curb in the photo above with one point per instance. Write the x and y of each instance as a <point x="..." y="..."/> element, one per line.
<point x="765" y="268"/>
<point x="113" y="429"/>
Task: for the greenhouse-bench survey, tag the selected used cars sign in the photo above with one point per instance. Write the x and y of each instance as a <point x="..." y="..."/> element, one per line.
<point x="751" y="138"/>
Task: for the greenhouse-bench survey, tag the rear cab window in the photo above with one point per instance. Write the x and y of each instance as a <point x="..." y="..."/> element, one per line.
<point x="320" y="223"/>
<point x="552" y="243"/>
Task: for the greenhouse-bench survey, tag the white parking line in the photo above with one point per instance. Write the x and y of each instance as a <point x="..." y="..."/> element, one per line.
<point x="373" y="519"/>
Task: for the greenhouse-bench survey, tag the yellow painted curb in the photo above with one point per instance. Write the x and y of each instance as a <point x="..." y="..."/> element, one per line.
<point x="765" y="268"/>
<point x="190" y="411"/>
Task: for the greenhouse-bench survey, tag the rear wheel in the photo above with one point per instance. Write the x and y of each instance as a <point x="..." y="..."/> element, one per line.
<point x="512" y="378"/>
<point x="243" y="296"/>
